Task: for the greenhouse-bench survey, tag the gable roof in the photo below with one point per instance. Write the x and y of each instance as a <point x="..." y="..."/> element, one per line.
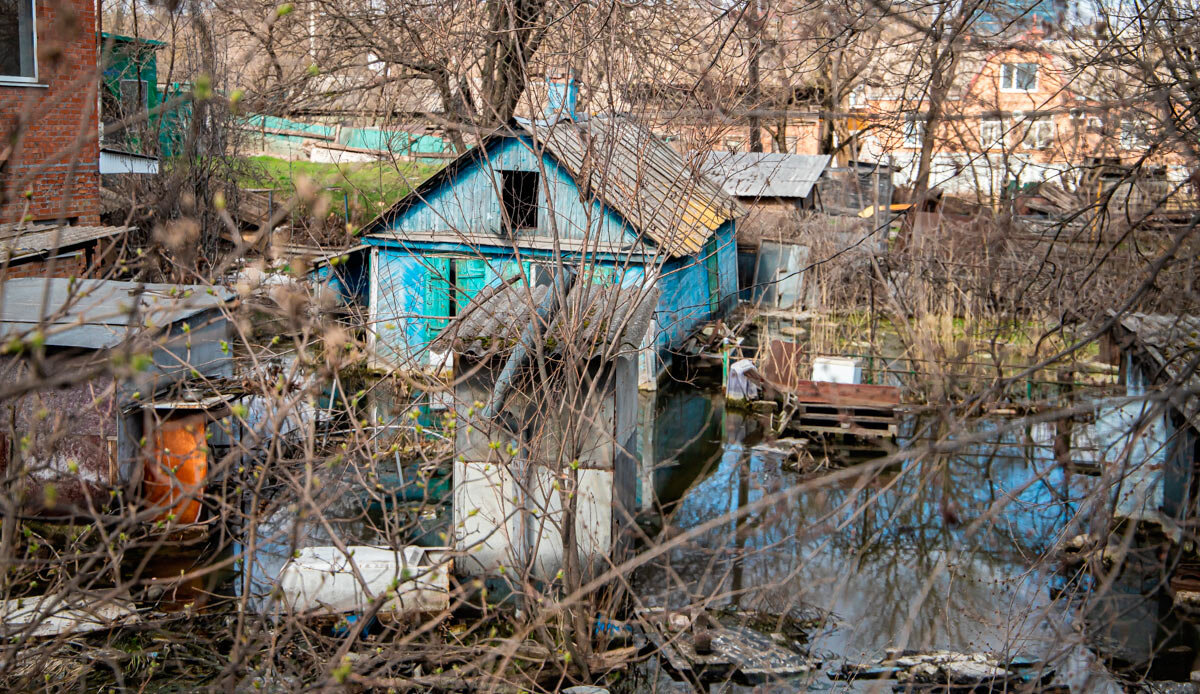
<point x="764" y="174"/>
<point x="629" y="169"/>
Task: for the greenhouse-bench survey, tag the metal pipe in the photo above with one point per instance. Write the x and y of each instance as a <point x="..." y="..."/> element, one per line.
<point x="542" y="314"/>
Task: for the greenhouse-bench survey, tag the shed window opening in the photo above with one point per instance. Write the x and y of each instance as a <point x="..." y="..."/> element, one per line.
<point x="129" y="98"/>
<point x="1019" y="77"/>
<point x="520" y="198"/>
<point x="17" y="40"/>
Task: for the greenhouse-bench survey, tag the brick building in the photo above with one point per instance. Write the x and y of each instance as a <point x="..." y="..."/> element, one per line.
<point x="1014" y="118"/>
<point x="48" y="101"/>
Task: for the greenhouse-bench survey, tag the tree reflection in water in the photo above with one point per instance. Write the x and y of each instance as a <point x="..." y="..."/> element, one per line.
<point x="952" y="551"/>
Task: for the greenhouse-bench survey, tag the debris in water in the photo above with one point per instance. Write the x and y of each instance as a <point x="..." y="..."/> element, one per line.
<point x="949" y="671"/>
<point x="704" y="648"/>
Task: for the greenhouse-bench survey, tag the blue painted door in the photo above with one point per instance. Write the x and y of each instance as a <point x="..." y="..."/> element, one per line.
<point x="437" y="296"/>
<point x="714" y="276"/>
<point x="470" y="275"/>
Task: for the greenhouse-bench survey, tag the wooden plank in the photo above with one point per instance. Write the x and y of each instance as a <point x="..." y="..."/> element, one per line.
<point x="853" y="430"/>
<point x="841" y="394"/>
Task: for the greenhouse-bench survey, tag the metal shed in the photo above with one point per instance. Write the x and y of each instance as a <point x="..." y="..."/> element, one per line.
<point x="106" y="379"/>
<point x="757" y="175"/>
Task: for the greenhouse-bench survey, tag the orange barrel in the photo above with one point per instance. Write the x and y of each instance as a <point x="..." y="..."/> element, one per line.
<point x="177" y="467"/>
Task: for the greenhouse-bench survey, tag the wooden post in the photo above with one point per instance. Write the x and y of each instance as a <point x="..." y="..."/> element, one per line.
<point x="1062" y="426"/>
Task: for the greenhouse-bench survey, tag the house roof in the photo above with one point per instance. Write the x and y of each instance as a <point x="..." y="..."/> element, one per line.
<point x="17" y="241"/>
<point x="1174" y="343"/>
<point x="633" y="172"/>
<point x="97" y="314"/>
<point x="598" y="319"/>
<point x="764" y="174"/>
<point x="642" y="178"/>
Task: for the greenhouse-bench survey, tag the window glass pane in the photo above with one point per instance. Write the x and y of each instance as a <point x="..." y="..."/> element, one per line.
<point x="1021" y="76"/>
<point x="914" y="132"/>
<point x="1027" y="76"/>
<point x="16" y="38"/>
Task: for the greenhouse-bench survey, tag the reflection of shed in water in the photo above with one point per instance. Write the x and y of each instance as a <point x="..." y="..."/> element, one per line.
<point x="679" y="439"/>
<point x="1153" y="443"/>
<point x="78" y="433"/>
<point x="547" y="410"/>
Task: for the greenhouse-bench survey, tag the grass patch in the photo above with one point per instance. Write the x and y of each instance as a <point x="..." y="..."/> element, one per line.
<point x="369" y="188"/>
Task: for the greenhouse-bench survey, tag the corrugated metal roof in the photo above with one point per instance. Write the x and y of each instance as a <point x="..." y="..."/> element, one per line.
<point x="96" y="313"/>
<point x="17" y="241"/>
<point x="1173" y="342"/>
<point x="763" y="174"/>
<point x="641" y="177"/>
<point x="598" y="319"/>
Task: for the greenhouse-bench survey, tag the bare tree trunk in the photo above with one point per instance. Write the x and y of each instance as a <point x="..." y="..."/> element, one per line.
<point x="755" y="20"/>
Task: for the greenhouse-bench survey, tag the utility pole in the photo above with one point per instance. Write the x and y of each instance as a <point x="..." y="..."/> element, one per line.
<point x="755" y="21"/>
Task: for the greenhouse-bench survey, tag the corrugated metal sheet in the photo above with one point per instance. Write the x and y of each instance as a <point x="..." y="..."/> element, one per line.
<point x="96" y="314"/>
<point x="642" y="178"/>
<point x="16" y="242"/>
<point x="596" y="318"/>
<point x="763" y="174"/>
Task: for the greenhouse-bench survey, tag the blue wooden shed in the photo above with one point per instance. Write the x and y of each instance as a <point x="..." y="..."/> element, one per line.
<point x="601" y="195"/>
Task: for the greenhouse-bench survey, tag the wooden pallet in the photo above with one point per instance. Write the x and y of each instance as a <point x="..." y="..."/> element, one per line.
<point x="855" y="420"/>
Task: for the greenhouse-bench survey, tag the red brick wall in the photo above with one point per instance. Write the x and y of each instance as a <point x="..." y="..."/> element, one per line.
<point x="71" y="266"/>
<point x="62" y="175"/>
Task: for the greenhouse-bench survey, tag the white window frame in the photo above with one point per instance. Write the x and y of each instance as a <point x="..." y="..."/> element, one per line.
<point x="22" y="80"/>
<point x="988" y="142"/>
<point x="914" y="131"/>
<point x="1039" y="134"/>
<point x="1008" y="77"/>
<point x="1133" y="134"/>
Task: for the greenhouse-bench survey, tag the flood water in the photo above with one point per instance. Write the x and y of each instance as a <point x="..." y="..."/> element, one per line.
<point x="953" y="551"/>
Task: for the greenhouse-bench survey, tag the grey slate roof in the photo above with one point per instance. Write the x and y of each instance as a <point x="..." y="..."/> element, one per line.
<point x="764" y="174"/>
<point x="96" y="314"/>
<point x="1174" y="343"/>
<point x="16" y="242"/>
<point x="598" y="319"/>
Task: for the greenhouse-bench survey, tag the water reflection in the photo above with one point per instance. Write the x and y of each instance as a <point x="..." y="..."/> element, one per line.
<point x="934" y="552"/>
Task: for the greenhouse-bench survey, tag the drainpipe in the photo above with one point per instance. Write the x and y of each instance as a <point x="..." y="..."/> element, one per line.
<point x="520" y="354"/>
